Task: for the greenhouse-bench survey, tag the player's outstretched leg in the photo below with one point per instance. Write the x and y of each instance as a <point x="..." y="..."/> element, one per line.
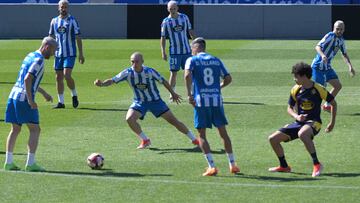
<point x="170" y="118"/>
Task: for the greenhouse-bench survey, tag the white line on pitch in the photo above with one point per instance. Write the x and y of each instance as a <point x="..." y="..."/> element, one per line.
<point x="99" y="176"/>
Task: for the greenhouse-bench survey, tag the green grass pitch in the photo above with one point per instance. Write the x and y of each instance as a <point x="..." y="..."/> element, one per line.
<point x="170" y="171"/>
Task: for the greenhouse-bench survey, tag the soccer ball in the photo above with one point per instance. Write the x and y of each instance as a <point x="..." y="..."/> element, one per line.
<point x="95" y="161"/>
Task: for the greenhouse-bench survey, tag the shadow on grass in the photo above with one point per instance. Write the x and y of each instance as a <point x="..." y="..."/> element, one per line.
<point x="341" y="175"/>
<point x="22" y="154"/>
<point x="7" y="83"/>
<point x="2" y="120"/>
<point x="99" y="109"/>
<point x="182" y="150"/>
<point x="244" y="103"/>
<point x="276" y="178"/>
<point x="105" y="173"/>
<point x="353" y="114"/>
<point x="13" y="82"/>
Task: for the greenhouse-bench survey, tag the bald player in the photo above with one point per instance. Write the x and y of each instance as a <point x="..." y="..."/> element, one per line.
<point x="176" y="27"/>
<point x="142" y="80"/>
<point x="322" y="71"/>
<point x="22" y="108"/>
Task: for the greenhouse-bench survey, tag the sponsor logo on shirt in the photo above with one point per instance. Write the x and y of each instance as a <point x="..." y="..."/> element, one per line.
<point x="61" y="29"/>
<point x="141" y="86"/>
<point x="178" y="28"/>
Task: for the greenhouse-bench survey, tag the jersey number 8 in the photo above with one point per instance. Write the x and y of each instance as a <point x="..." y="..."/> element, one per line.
<point x="208" y="76"/>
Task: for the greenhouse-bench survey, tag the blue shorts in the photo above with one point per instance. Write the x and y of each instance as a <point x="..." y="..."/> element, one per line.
<point x="293" y="129"/>
<point x="323" y="76"/>
<point x="157" y="108"/>
<point x="177" y="61"/>
<point x="205" y="117"/>
<point x="20" y="112"/>
<point x="64" y="62"/>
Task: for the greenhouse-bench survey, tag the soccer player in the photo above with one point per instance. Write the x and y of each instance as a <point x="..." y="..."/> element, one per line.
<point x="176" y="27"/>
<point x="203" y="74"/>
<point x="142" y="80"/>
<point x="22" y="108"/>
<point x="304" y="106"/>
<point x="65" y="29"/>
<point x="326" y="50"/>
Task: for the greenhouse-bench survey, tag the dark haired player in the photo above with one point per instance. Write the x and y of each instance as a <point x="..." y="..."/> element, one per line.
<point x="305" y="106"/>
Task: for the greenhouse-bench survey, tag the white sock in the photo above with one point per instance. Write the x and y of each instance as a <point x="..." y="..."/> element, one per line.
<point x="210" y="160"/>
<point x="61" y="98"/>
<point x="73" y="92"/>
<point x="191" y="136"/>
<point x="327" y="104"/>
<point x="231" y="159"/>
<point x="143" y="136"/>
<point x="30" y="159"/>
<point x="9" y="158"/>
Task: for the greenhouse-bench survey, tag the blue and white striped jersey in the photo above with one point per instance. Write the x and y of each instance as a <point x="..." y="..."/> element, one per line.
<point x="206" y="71"/>
<point x="176" y="30"/>
<point x="34" y="65"/>
<point x="143" y="83"/>
<point x="330" y="45"/>
<point x="65" y="31"/>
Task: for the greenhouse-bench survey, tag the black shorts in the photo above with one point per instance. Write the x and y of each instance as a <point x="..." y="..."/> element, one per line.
<point x="292" y="130"/>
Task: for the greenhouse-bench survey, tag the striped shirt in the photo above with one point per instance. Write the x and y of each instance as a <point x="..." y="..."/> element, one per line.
<point x="34" y="65"/>
<point x="176" y="30"/>
<point x="206" y="71"/>
<point x="143" y="83"/>
<point x="330" y="45"/>
<point x="65" y="31"/>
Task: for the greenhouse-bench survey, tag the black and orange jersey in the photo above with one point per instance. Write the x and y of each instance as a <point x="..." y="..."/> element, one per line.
<point x="308" y="101"/>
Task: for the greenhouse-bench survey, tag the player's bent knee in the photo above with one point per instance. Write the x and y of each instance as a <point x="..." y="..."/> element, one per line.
<point x="59" y="77"/>
<point x="35" y="129"/>
<point x="16" y="129"/>
<point x="129" y="119"/>
<point x="271" y="139"/>
<point x="339" y="87"/>
<point x="304" y="136"/>
<point x="68" y="77"/>
<point x="275" y="138"/>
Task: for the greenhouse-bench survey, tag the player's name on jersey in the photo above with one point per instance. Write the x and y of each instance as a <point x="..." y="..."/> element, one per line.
<point x="208" y="63"/>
